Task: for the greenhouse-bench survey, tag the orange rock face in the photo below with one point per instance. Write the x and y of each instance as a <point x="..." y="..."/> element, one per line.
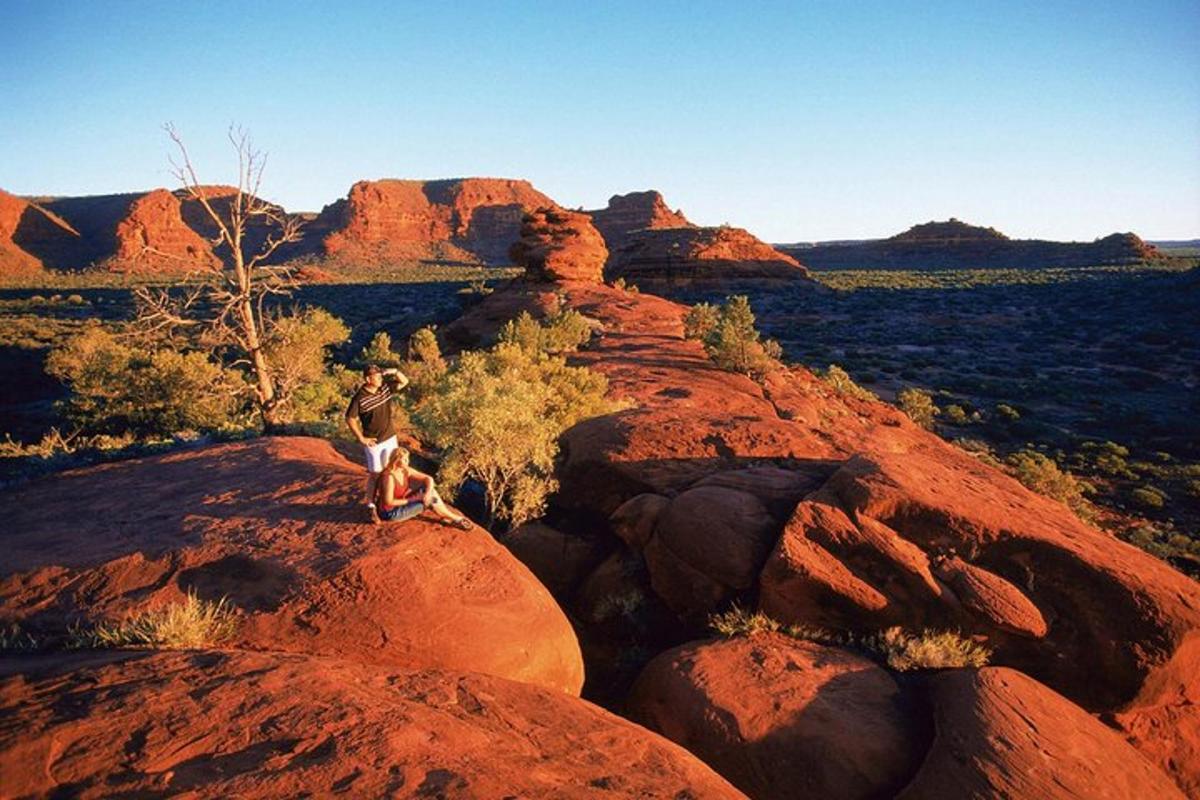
<point x="154" y="237"/>
<point x="32" y="237"/>
<point x="1002" y="734"/>
<point x="635" y="211"/>
<point x="560" y="245"/>
<point x="701" y="257"/>
<point x="272" y="525"/>
<point x="219" y="724"/>
<point x="401" y="219"/>
<point x="785" y="718"/>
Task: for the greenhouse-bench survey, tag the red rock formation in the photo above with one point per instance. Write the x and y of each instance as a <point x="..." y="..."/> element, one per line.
<point x="154" y="237"/>
<point x="271" y="524"/>
<point x="219" y="724"/>
<point x="32" y="237"/>
<point x="1002" y="734"/>
<point x="634" y="212"/>
<point x="560" y="245"/>
<point x="701" y="257"/>
<point x="784" y="718"/>
<point x="893" y="525"/>
<point x="401" y="219"/>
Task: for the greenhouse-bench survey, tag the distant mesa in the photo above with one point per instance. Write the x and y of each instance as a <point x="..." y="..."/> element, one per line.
<point x="476" y="219"/>
<point x="701" y="257"/>
<point x="31" y="237"/>
<point x="635" y="211"/>
<point x="954" y="244"/>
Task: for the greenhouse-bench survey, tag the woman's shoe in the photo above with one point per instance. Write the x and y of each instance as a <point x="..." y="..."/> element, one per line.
<point x="462" y="524"/>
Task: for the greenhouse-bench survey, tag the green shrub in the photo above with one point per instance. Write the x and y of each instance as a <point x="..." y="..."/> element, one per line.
<point x="700" y="321"/>
<point x="296" y="346"/>
<point x="1043" y="475"/>
<point x="1007" y="412"/>
<point x="118" y="388"/>
<point x="956" y="415"/>
<point x="561" y="332"/>
<point x="918" y="405"/>
<point x="497" y="416"/>
<point x="379" y="351"/>
<point x="1149" y="497"/>
<point x="730" y="338"/>
<point x="840" y="380"/>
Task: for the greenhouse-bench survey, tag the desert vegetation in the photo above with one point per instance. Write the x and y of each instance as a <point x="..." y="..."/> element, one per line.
<point x="730" y="337"/>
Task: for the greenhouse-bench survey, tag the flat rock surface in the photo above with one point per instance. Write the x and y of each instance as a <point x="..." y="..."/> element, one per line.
<point x="220" y="724"/>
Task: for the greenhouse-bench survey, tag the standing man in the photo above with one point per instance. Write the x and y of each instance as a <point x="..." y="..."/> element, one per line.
<point x="370" y="417"/>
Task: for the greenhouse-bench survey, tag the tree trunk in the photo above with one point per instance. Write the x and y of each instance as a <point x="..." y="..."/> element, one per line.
<point x="262" y="372"/>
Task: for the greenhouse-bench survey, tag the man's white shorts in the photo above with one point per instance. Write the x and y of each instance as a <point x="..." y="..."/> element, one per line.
<point x="379" y="453"/>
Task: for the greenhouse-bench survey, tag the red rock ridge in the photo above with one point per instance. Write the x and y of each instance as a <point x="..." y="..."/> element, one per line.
<point x="560" y="245"/>
<point x="401" y="219"/>
<point x="635" y="211"/>
<point x="31" y="237"/>
<point x="701" y="257"/>
<point x="154" y="237"/>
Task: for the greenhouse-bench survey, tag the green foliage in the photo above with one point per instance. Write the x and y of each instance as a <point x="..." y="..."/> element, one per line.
<point x="733" y="342"/>
<point x="296" y="347"/>
<point x="1149" y="497"/>
<point x="562" y="332"/>
<point x="1108" y="458"/>
<point x="620" y="284"/>
<point x="1007" y="412"/>
<point x="700" y="321"/>
<point x="956" y="415"/>
<point x="1044" y="476"/>
<point x="191" y="623"/>
<point x="918" y="405"/>
<point x="379" y="351"/>
<point x="118" y="388"/>
<point x="497" y="416"/>
<point x="425" y="365"/>
<point x="840" y="380"/>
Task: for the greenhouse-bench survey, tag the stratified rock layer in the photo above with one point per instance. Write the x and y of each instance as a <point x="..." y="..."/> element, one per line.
<point x="560" y="245"/>
<point x="273" y="525"/>
<point x="32" y="237"/>
<point x="631" y="212"/>
<point x="154" y="237"/>
<point x="219" y="724"/>
<point x="479" y="218"/>
<point x="701" y="258"/>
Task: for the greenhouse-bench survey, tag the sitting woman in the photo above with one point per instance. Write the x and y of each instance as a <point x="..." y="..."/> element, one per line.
<point x="404" y="492"/>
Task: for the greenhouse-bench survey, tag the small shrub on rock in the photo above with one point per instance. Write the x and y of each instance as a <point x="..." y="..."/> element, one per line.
<point x="1149" y="497"/>
<point x="1041" y="474"/>
<point x="192" y="623"/>
<point x="926" y="650"/>
<point x="700" y="321"/>
<point x="918" y="405"/>
<point x="840" y="380"/>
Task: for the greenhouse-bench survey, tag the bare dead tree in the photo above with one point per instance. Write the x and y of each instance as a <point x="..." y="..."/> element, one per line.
<point x="225" y="309"/>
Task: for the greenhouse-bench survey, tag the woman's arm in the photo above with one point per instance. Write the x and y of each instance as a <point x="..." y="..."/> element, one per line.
<point x="388" y="490"/>
<point x="427" y="495"/>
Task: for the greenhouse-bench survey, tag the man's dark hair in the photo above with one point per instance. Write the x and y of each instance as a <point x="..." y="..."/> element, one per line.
<point x="371" y="368"/>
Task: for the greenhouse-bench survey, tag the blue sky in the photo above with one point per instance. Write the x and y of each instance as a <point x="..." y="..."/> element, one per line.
<point x="1065" y="120"/>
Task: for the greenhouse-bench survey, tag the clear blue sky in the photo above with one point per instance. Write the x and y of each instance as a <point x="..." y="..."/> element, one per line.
<point x="1064" y="120"/>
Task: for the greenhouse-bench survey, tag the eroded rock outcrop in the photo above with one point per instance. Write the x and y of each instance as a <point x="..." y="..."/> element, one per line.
<point x="217" y="724"/>
<point x="560" y="245"/>
<point x="634" y="211"/>
<point x="701" y="257"/>
<point x="32" y="237"/>
<point x="785" y="718"/>
<point x="272" y="525"/>
<point x="473" y="218"/>
<point x="154" y="237"/>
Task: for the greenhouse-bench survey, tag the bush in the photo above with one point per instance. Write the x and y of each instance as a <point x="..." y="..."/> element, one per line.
<point x="1043" y="475"/>
<point x="1149" y="497"/>
<point x="497" y="416"/>
<point x="956" y="415"/>
<point x="840" y="380"/>
<point x="296" y="347"/>
<point x="192" y="623"/>
<point x="1007" y="412"/>
<point x="118" y="388"/>
<point x="700" y="321"/>
<point x="379" y="351"/>
<point x="562" y="332"/>
<point x="918" y="405"/>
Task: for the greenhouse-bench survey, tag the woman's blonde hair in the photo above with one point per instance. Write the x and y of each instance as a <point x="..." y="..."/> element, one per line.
<point x="395" y="457"/>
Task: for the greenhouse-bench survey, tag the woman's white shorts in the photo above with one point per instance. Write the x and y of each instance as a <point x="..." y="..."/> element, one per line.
<point x="379" y="453"/>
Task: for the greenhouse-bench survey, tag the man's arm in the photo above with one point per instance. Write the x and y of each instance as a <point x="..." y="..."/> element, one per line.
<point x="401" y="378"/>
<point x="356" y="428"/>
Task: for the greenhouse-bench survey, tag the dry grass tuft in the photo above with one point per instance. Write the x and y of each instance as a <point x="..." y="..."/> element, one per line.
<point x="928" y="649"/>
<point x="191" y="623"/>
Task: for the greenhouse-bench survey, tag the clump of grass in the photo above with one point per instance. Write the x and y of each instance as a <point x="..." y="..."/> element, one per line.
<point x="928" y="649"/>
<point x="188" y="624"/>
<point x="898" y="649"/>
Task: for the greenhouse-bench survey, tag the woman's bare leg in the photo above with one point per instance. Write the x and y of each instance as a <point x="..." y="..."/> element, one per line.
<point x="442" y="510"/>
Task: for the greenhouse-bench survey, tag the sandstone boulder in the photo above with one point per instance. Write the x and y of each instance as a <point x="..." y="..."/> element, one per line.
<point x="560" y="245"/>
<point x="218" y="724"/>
<point x="154" y="237"/>
<point x="559" y="560"/>
<point x="784" y="718"/>
<point x="273" y="525"/>
<point x="1002" y="734"/>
